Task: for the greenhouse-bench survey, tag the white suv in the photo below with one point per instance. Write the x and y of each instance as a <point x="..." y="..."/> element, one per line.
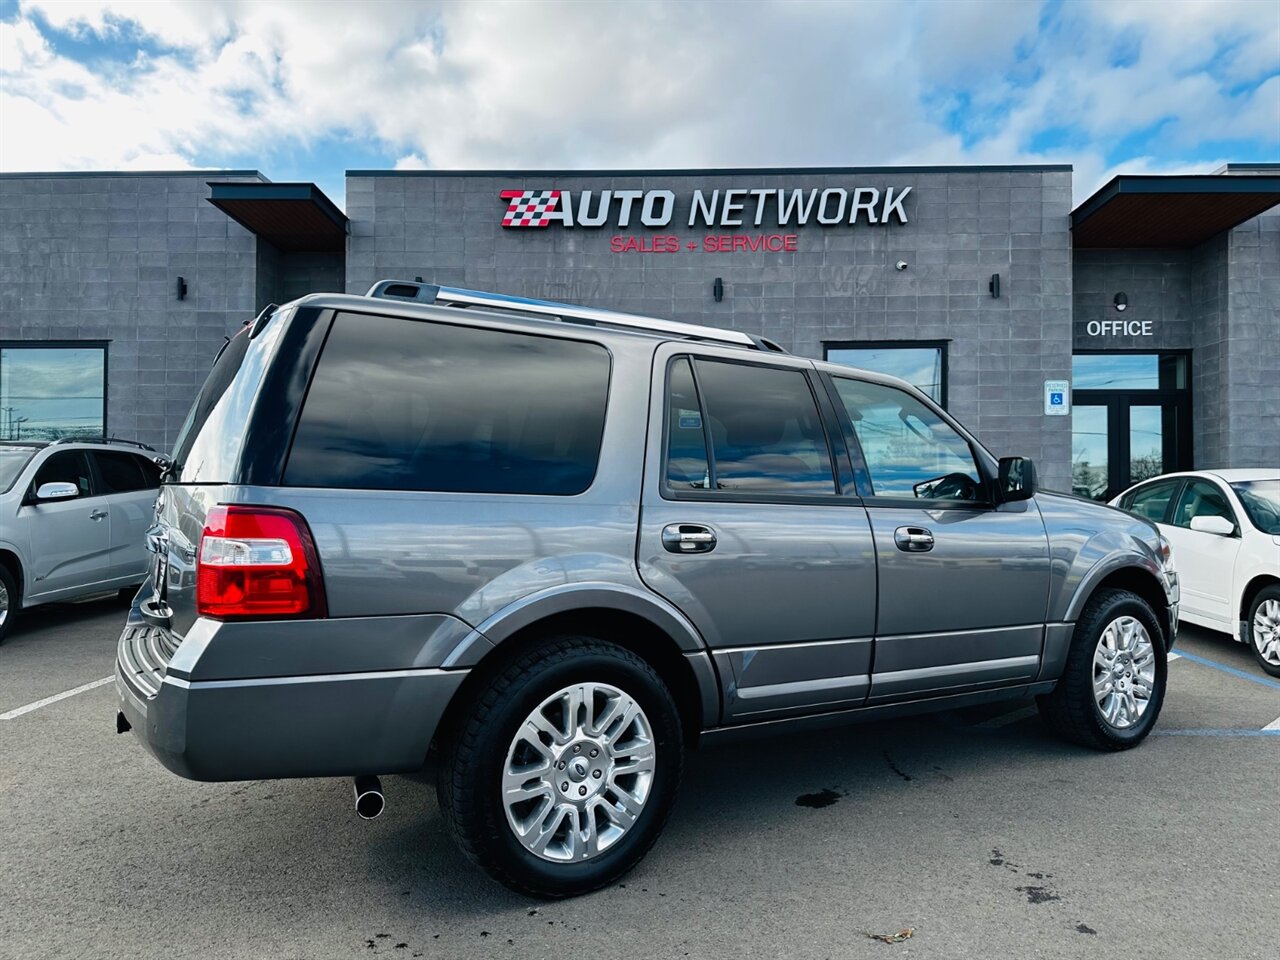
<point x="73" y="520"/>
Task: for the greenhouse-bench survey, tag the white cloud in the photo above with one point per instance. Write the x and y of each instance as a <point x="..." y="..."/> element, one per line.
<point x="543" y="84"/>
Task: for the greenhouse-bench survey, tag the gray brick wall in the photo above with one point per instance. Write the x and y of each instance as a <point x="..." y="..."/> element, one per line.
<point x="1221" y="301"/>
<point x="1252" y="344"/>
<point x="839" y="285"/>
<point x="97" y="257"/>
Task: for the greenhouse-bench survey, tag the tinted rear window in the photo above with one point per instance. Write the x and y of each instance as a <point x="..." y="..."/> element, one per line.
<point x="406" y="405"/>
<point x="120" y="472"/>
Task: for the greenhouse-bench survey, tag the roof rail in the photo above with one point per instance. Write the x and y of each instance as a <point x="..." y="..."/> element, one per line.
<point x="131" y="443"/>
<point x="416" y="291"/>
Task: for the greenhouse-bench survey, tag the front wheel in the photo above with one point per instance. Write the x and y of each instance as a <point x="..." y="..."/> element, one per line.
<point x="563" y="769"/>
<point x="1113" y="685"/>
<point x="9" y="601"/>
<point x="1263" y="629"/>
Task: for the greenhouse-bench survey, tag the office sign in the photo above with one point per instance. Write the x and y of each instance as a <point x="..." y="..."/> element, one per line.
<point x="1120" y="328"/>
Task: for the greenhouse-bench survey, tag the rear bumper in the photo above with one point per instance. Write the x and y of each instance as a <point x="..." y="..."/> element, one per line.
<point x="273" y="727"/>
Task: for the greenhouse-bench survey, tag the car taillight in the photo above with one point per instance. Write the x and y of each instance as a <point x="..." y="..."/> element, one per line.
<point x="257" y="562"/>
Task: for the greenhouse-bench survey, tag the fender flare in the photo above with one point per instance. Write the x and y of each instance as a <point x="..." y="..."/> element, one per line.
<point x="1103" y="569"/>
<point x="567" y="598"/>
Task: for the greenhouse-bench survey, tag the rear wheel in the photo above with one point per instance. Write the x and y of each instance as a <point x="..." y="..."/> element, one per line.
<point x="1112" y="688"/>
<point x="9" y="601"/>
<point x="1263" y="629"/>
<point x="564" y="768"/>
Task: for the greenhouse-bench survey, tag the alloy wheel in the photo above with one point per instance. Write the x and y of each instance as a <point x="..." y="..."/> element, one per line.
<point x="578" y="772"/>
<point x="1266" y="631"/>
<point x="4" y="604"/>
<point x="1124" y="672"/>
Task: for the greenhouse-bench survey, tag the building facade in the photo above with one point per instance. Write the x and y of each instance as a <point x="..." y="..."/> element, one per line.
<point x="1137" y="333"/>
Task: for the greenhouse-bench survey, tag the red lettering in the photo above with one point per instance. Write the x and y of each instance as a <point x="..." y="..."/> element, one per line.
<point x="615" y="244"/>
<point x="789" y="242"/>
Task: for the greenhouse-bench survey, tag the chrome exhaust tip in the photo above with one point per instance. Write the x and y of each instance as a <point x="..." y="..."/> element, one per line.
<point x="369" y="799"/>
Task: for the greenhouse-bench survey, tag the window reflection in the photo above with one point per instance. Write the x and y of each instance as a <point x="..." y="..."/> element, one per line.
<point x="52" y="392"/>
<point x="919" y="366"/>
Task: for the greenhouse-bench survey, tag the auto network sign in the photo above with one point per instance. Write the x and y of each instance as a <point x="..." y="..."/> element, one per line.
<point x="763" y="209"/>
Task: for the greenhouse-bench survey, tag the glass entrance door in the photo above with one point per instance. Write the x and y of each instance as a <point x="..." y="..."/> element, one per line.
<point x="1131" y="420"/>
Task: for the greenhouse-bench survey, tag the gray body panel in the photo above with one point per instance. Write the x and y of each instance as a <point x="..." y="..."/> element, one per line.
<point x="805" y="606"/>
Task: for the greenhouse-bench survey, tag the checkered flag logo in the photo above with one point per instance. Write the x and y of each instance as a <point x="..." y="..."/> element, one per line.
<point x="529" y="208"/>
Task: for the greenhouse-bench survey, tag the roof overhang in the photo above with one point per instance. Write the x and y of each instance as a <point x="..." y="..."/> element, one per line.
<point x="1156" y="211"/>
<point x="290" y="216"/>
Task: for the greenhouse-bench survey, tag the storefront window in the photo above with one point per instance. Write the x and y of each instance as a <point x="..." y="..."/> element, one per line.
<point x="923" y="365"/>
<point x="47" y="392"/>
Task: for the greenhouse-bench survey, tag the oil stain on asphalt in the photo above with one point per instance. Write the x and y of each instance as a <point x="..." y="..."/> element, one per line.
<point x="823" y="798"/>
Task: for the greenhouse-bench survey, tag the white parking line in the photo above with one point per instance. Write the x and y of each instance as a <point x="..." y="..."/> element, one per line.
<point x="19" y="711"/>
<point x="1173" y="656"/>
<point x="1273" y="725"/>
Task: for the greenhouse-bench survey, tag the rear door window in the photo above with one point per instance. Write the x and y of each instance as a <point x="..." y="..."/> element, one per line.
<point x="766" y="433"/>
<point x="1151" y="501"/>
<point x="119" y="472"/>
<point x="408" y="405"/>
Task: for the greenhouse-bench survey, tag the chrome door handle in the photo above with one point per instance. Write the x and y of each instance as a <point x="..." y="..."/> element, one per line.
<point x="913" y="539"/>
<point x="98" y="515"/>
<point x="688" y="538"/>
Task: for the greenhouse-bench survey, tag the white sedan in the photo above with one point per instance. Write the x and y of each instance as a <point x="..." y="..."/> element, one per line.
<point x="1225" y="529"/>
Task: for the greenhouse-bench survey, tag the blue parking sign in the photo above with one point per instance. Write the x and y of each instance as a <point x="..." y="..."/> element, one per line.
<point x="1055" y="398"/>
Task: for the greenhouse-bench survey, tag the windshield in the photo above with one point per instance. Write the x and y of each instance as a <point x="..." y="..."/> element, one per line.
<point x="1261" y="499"/>
<point x="12" y="460"/>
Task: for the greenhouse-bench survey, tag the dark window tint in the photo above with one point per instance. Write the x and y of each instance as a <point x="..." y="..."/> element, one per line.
<point x="686" y="441"/>
<point x="1150" y="501"/>
<point x="1201" y="498"/>
<point x="765" y="430"/>
<point x="910" y="451"/>
<point x="67" y="466"/>
<point x="405" y="405"/>
<point x="209" y="440"/>
<point x="119" y="472"/>
<point x="150" y="472"/>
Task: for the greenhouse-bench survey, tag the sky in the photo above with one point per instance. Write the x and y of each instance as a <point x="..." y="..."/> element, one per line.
<point x="306" y="89"/>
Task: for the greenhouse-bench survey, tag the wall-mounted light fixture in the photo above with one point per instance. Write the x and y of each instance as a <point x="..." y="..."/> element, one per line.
<point x="182" y="288"/>
<point x="1121" y="302"/>
<point x="994" y="286"/>
<point x="901" y="265"/>
<point x="717" y="289"/>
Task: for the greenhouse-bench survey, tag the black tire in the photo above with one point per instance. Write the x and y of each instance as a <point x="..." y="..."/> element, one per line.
<point x="1071" y="710"/>
<point x="475" y="745"/>
<point x="1268" y="593"/>
<point x="12" y="602"/>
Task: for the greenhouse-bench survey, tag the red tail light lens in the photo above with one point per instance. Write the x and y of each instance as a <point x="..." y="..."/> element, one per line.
<point x="255" y="563"/>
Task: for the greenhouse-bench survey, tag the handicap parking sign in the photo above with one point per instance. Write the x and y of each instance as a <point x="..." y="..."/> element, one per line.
<point x="1057" y="398"/>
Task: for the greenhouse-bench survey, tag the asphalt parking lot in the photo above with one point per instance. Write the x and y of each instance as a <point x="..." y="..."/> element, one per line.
<point x="977" y="831"/>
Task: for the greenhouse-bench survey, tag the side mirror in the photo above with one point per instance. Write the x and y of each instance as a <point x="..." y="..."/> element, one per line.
<point x="57" y="491"/>
<point x="1016" y="480"/>
<point x="1219" y="525"/>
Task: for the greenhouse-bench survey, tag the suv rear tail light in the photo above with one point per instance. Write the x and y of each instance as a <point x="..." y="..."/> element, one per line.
<point x="256" y="563"/>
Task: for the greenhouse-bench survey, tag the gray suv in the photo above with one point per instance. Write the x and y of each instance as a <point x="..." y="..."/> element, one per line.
<point x="551" y="549"/>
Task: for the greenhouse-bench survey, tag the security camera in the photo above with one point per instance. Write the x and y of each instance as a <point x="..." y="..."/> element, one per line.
<point x="900" y="265"/>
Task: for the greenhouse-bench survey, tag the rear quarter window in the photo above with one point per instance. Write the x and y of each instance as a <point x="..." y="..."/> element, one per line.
<point x="408" y="405"/>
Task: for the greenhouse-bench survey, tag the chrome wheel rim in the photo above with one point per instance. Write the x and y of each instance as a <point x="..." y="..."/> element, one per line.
<point x="1124" y="672"/>
<point x="1266" y="631"/>
<point x="578" y="772"/>
<point x="4" y="604"/>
